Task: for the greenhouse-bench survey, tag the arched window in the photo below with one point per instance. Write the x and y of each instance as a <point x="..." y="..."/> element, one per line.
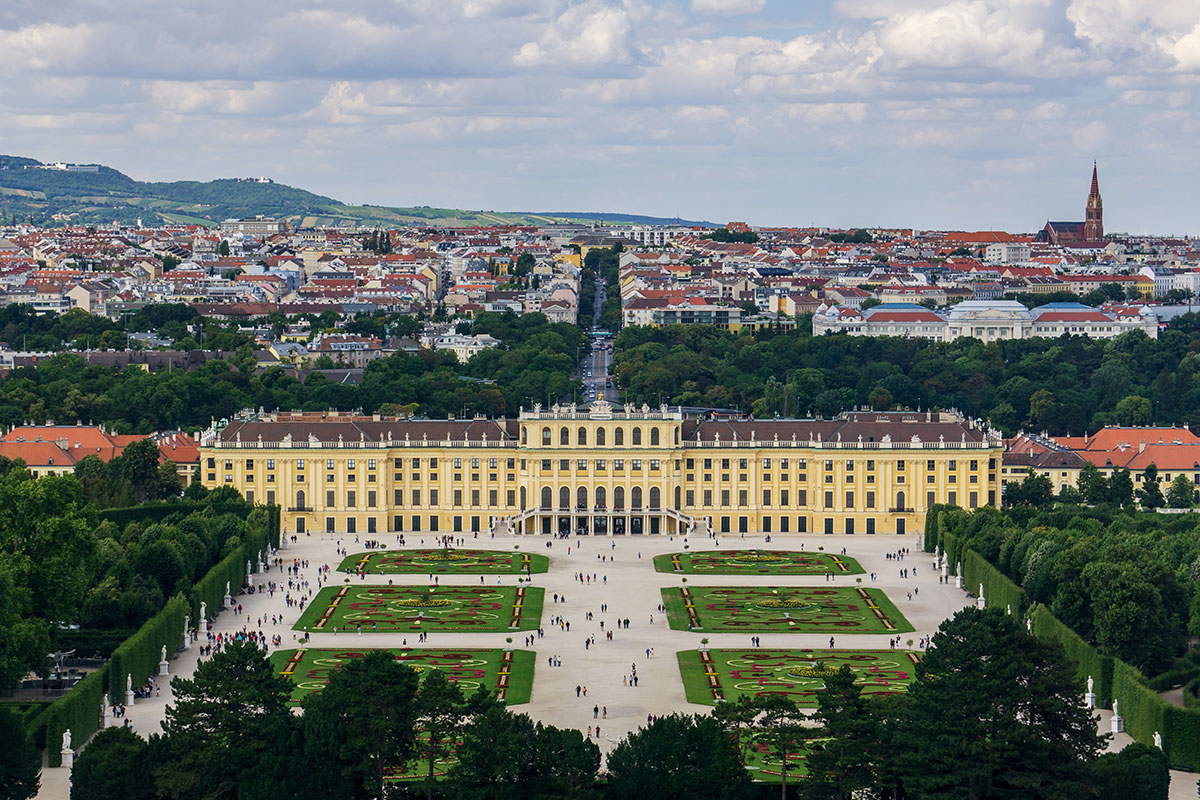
<point x="600" y="437"/>
<point x="564" y="436"/>
<point x="545" y="437"/>
<point x="653" y="436"/>
<point x="635" y="497"/>
<point x="582" y="437"/>
<point x="637" y="437"/>
<point x="600" y="497"/>
<point x="524" y="435"/>
<point x="899" y="501"/>
<point x="677" y="436"/>
<point x="300" y="499"/>
<point x="547" y="497"/>
<point x="564" y="498"/>
<point x="581" y="497"/>
<point x="655" y="497"/>
<point x="678" y="495"/>
<point x="619" y="498"/>
<point x="522" y="498"/>
<point x="619" y="437"/>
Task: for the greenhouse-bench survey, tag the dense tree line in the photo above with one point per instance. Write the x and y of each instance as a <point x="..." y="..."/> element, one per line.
<point x="1128" y="583"/>
<point x="66" y="573"/>
<point x="993" y="713"/>
<point x="1066" y="385"/>
<point x="534" y="364"/>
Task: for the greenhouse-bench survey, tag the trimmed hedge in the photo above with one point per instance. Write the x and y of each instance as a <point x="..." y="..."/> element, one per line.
<point x="1087" y="660"/>
<point x="232" y="569"/>
<point x="79" y="710"/>
<point x="89" y="641"/>
<point x="998" y="590"/>
<point x="1181" y="736"/>
<point x="140" y="654"/>
<point x="1140" y="706"/>
<point x="158" y="511"/>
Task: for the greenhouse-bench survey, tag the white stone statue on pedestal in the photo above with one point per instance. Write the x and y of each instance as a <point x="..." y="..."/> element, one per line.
<point x="228" y="596"/>
<point x="68" y="754"/>
<point x="1158" y="740"/>
<point x="981" y="603"/>
<point x="187" y="630"/>
<point x="1089" y="699"/>
<point x="162" y="664"/>
<point x="1029" y="624"/>
<point x="1118" y="724"/>
<point x="958" y="578"/>
<point x="129" y="690"/>
<point x="202" y="629"/>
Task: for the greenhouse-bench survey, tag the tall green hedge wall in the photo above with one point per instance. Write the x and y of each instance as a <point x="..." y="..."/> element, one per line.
<point x="1087" y="660"/>
<point x="998" y="590"/>
<point x="79" y="710"/>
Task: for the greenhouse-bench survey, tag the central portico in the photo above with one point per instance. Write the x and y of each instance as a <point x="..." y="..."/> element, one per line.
<point x="601" y="470"/>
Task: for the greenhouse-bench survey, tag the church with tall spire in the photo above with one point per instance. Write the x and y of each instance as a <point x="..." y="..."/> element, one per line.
<point x="1088" y="234"/>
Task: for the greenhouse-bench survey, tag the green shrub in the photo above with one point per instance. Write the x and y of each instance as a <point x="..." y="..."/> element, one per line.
<point x="1137" y="771"/>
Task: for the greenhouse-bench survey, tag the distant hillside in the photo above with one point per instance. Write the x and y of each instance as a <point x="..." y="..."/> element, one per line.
<point x="53" y="196"/>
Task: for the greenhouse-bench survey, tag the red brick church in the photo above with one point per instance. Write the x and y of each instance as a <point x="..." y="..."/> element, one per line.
<point x="1087" y="234"/>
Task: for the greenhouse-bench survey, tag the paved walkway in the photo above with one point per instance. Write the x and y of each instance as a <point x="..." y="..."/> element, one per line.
<point x="631" y="590"/>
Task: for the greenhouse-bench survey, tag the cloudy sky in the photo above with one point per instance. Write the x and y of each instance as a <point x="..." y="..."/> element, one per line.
<point x="925" y="113"/>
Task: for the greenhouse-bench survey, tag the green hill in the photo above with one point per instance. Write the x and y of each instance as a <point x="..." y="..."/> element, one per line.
<point x="29" y="193"/>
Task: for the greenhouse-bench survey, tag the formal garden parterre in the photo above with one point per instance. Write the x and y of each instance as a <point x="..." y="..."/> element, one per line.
<point x="779" y="609"/>
<point x="506" y="674"/>
<point x="757" y="562"/>
<point x="710" y="676"/>
<point x="416" y="609"/>
<point x="444" y="561"/>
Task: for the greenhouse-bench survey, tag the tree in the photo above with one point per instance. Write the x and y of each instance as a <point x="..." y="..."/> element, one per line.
<point x="223" y="248"/>
<point x="677" y="757"/>
<point x="779" y="727"/>
<point x="138" y="464"/>
<point x="20" y="761"/>
<point x="880" y="399"/>
<point x="994" y="713"/>
<point x="113" y="766"/>
<point x="362" y="723"/>
<point x="842" y="765"/>
<point x="506" y="756"/>
<point x="1134" y="410"/>
<point x="1035" y="490"/>
<point x="1093" y="485"/>
<point x="1150" y="495"/>
<point x="1138" y="771"/>
<point x="225" y="720"/>
<point x="439" y="716"/>
<point x="736" y="716"/>
<point x="1180" y="494"/>
<point x="1120" y="488"/>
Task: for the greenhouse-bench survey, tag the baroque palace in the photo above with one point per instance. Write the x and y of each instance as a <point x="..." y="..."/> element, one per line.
<point x="605" y="470"/>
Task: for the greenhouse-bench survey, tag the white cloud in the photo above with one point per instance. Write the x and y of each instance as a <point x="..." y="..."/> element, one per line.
<point x="703" y="108"/>
<point x="728" y="7"/>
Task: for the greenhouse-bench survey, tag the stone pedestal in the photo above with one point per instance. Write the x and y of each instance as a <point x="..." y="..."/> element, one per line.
<point x="227" y="601"/>
<point x="202" y="630"/>
<point x="980" y="602"/>
<point x="945" y="573"/>
<point x="68" y="758"/>
<point x="1118" y="724"/>
<point x="129" y="698"/>
<point x="958" y="582"/>
<point x="163" y="667"/>
<point x="1089" y="700"/>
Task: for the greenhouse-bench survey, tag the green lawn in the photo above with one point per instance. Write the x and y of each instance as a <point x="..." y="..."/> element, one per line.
<point x="507" y="675"/>
<point x="413" y="609"/>
<point x="835" y="610"/>
<point x="442" y="562"/>
<point x="757" y="562"/>
<point x="728" y="674"/>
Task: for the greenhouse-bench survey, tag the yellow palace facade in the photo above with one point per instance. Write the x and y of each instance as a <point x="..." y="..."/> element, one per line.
<point x="605" y="470"/>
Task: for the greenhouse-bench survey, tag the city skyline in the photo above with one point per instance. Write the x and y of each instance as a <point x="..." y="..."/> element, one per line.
<point x="933" y="114"/>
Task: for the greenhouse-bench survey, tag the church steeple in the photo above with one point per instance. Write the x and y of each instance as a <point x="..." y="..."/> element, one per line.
<point x="1093" y="224"/>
